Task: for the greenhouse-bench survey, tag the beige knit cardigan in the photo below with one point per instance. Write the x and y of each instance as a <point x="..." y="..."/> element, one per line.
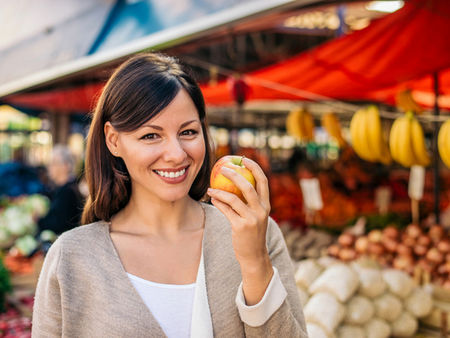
<point x="84" y="291"/>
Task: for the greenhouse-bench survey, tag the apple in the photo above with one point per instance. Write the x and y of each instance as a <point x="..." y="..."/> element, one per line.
<point x="219" y="181"/>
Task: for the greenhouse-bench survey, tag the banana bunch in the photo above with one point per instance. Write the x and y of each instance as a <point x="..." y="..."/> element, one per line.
<point x="444" y="143"/>
<point x="331" y="124"/>
<point x="405" y="102"/>
<point x="407" y="142"/>
<point x="300" y="124"/>
<point x="367" y="136"/>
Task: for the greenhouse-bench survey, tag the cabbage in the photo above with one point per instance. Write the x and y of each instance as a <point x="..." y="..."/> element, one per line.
<point x="18" y="221"/>
<point x="26" y="245"/>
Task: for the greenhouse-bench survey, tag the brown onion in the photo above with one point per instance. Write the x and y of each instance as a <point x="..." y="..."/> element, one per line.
<point x="346" y="239"/>
<point x="434" y="256"/>
<point x="347" y="254"/>
<point x="436" y="232"/>
<point x="390" y="244"/>
<point x="447" y="257"/>
<point x="333" y="250"/>
<point x="413" y="230"/>
<point x="408" y="241"/>
<point x="403" y="263"/>
<point x="376" y="249"/>
<point x="391" y="232"/>
<point x="420" y="250"/>
<point x="444" y="268"/>
<point x="375" y="236"/>
<point x="424" y="240"/>
<point x="403" y="249"/>
<point x="362" y="244"/>
<point x="444" y="246"/>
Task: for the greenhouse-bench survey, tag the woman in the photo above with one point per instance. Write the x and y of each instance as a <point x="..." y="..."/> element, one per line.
<point x="154" y="260"/>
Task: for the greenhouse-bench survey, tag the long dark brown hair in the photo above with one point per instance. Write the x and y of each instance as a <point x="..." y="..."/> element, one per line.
<point x="137" y="91"/>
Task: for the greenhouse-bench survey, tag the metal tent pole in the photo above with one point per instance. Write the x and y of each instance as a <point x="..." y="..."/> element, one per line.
<point x="435" y="148"/>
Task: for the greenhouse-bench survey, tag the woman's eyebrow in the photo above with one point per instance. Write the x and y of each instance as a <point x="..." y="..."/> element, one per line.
<point x="184" y="124"/>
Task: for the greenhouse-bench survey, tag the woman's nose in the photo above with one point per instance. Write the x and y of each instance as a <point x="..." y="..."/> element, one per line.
<point x="174" y="151"/>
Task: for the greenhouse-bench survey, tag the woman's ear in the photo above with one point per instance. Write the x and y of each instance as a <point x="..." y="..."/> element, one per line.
<point x="111" y="138"/>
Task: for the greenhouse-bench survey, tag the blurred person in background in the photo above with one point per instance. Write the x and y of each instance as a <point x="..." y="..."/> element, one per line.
<point x="67" y="201"/>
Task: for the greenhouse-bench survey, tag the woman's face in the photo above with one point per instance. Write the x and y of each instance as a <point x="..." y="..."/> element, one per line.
<point x="165" y="154"/>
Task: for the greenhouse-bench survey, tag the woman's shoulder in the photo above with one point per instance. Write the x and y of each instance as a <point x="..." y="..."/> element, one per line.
<point x="85" y="235"/>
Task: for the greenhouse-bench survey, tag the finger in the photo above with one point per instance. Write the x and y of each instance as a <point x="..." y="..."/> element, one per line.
<point x="230" y="200"/>
<point x="229" y="213"/>
<point x="262" y="186"/>
<point x="247" y="189"/>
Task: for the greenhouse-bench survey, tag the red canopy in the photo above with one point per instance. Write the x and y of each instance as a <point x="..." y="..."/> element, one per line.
<point x="402" y="49"/>
<point x="399" y="50"/>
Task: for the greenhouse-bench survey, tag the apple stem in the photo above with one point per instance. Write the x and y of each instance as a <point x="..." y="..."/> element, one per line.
<point x="240" y="163"/>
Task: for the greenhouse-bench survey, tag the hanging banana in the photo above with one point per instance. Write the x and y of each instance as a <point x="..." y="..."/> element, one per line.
<point x="407" y="142"/>
<point x="405" y="102"/>
<point x="300" y="124"/>
<point x="444" y="143"/>
<point x="331" y="124"/>
<point x="367" y="136"/>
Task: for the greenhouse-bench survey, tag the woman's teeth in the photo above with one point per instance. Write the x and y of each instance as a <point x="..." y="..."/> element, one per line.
<point x="171" y="174"/>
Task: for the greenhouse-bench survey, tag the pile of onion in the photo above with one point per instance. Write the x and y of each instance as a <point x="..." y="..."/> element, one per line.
<point x="402" y="249"/>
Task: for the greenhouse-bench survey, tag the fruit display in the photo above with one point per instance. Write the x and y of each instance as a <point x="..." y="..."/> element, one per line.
<point x="286" y="200"/>
<point x="420" y="253"/>
<point x="300" y="124"/>
<point x="306" y="243"/>
<point x="219" y="181"/>
<point x="444" y="143"/>
<point x="367" y="136"/>
<point x="359" y="299"/>
<point x="407" y="142"/>
<point x="332" y="125"/>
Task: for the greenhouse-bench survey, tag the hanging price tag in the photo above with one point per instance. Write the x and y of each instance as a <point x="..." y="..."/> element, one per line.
<point x="383" y="199"/>
<point x="416" y="182"/>
<point x="311" y="193"/>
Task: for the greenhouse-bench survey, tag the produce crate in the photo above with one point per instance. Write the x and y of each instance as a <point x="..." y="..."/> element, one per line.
<point x="28" y="280"/>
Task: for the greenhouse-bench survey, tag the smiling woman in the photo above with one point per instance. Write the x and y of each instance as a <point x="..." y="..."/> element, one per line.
<point x="152" y="259"/>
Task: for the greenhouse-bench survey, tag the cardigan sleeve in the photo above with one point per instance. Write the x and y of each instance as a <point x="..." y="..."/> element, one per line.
<point x="288" y="319"/>
<point x="47" y="318"/>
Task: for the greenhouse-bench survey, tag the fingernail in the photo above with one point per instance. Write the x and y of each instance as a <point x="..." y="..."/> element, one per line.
<point x="210" y="191"/>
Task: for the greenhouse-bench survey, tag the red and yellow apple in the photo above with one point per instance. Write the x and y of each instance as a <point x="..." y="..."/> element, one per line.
<point x="219" y="181"/>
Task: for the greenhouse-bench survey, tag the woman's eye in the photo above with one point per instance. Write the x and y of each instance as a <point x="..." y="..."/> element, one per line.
<point x="189" y="132"/>
<point x="150" y="136"/>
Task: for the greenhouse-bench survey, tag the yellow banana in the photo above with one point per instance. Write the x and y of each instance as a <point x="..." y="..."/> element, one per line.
<point x="307" y="126"/>
<point x="444" y="143"/>
<point x="293" y="123"/>
<point x="364" y="136"/>
<point x="393" y="140"/>
<point x="354" y="134"/>
<point x="359" y="135"/>
<point x="374" y="131"/>
<point x="331" y="124"/>
<point x="385" y="157"/>
<point x="300" y="124"/>
<point x="418" y="144"/>
<point x="405" y="102"/>
<point x="401" y="131"/>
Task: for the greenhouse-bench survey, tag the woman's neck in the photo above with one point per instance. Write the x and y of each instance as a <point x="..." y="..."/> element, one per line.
<point x="162" y="218"/>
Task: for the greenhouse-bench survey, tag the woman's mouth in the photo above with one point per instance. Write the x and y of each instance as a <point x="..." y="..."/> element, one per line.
<point x="172" y="176"/>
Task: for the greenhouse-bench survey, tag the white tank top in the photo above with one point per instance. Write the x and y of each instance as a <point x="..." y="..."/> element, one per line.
<point x="170" y="304"/>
